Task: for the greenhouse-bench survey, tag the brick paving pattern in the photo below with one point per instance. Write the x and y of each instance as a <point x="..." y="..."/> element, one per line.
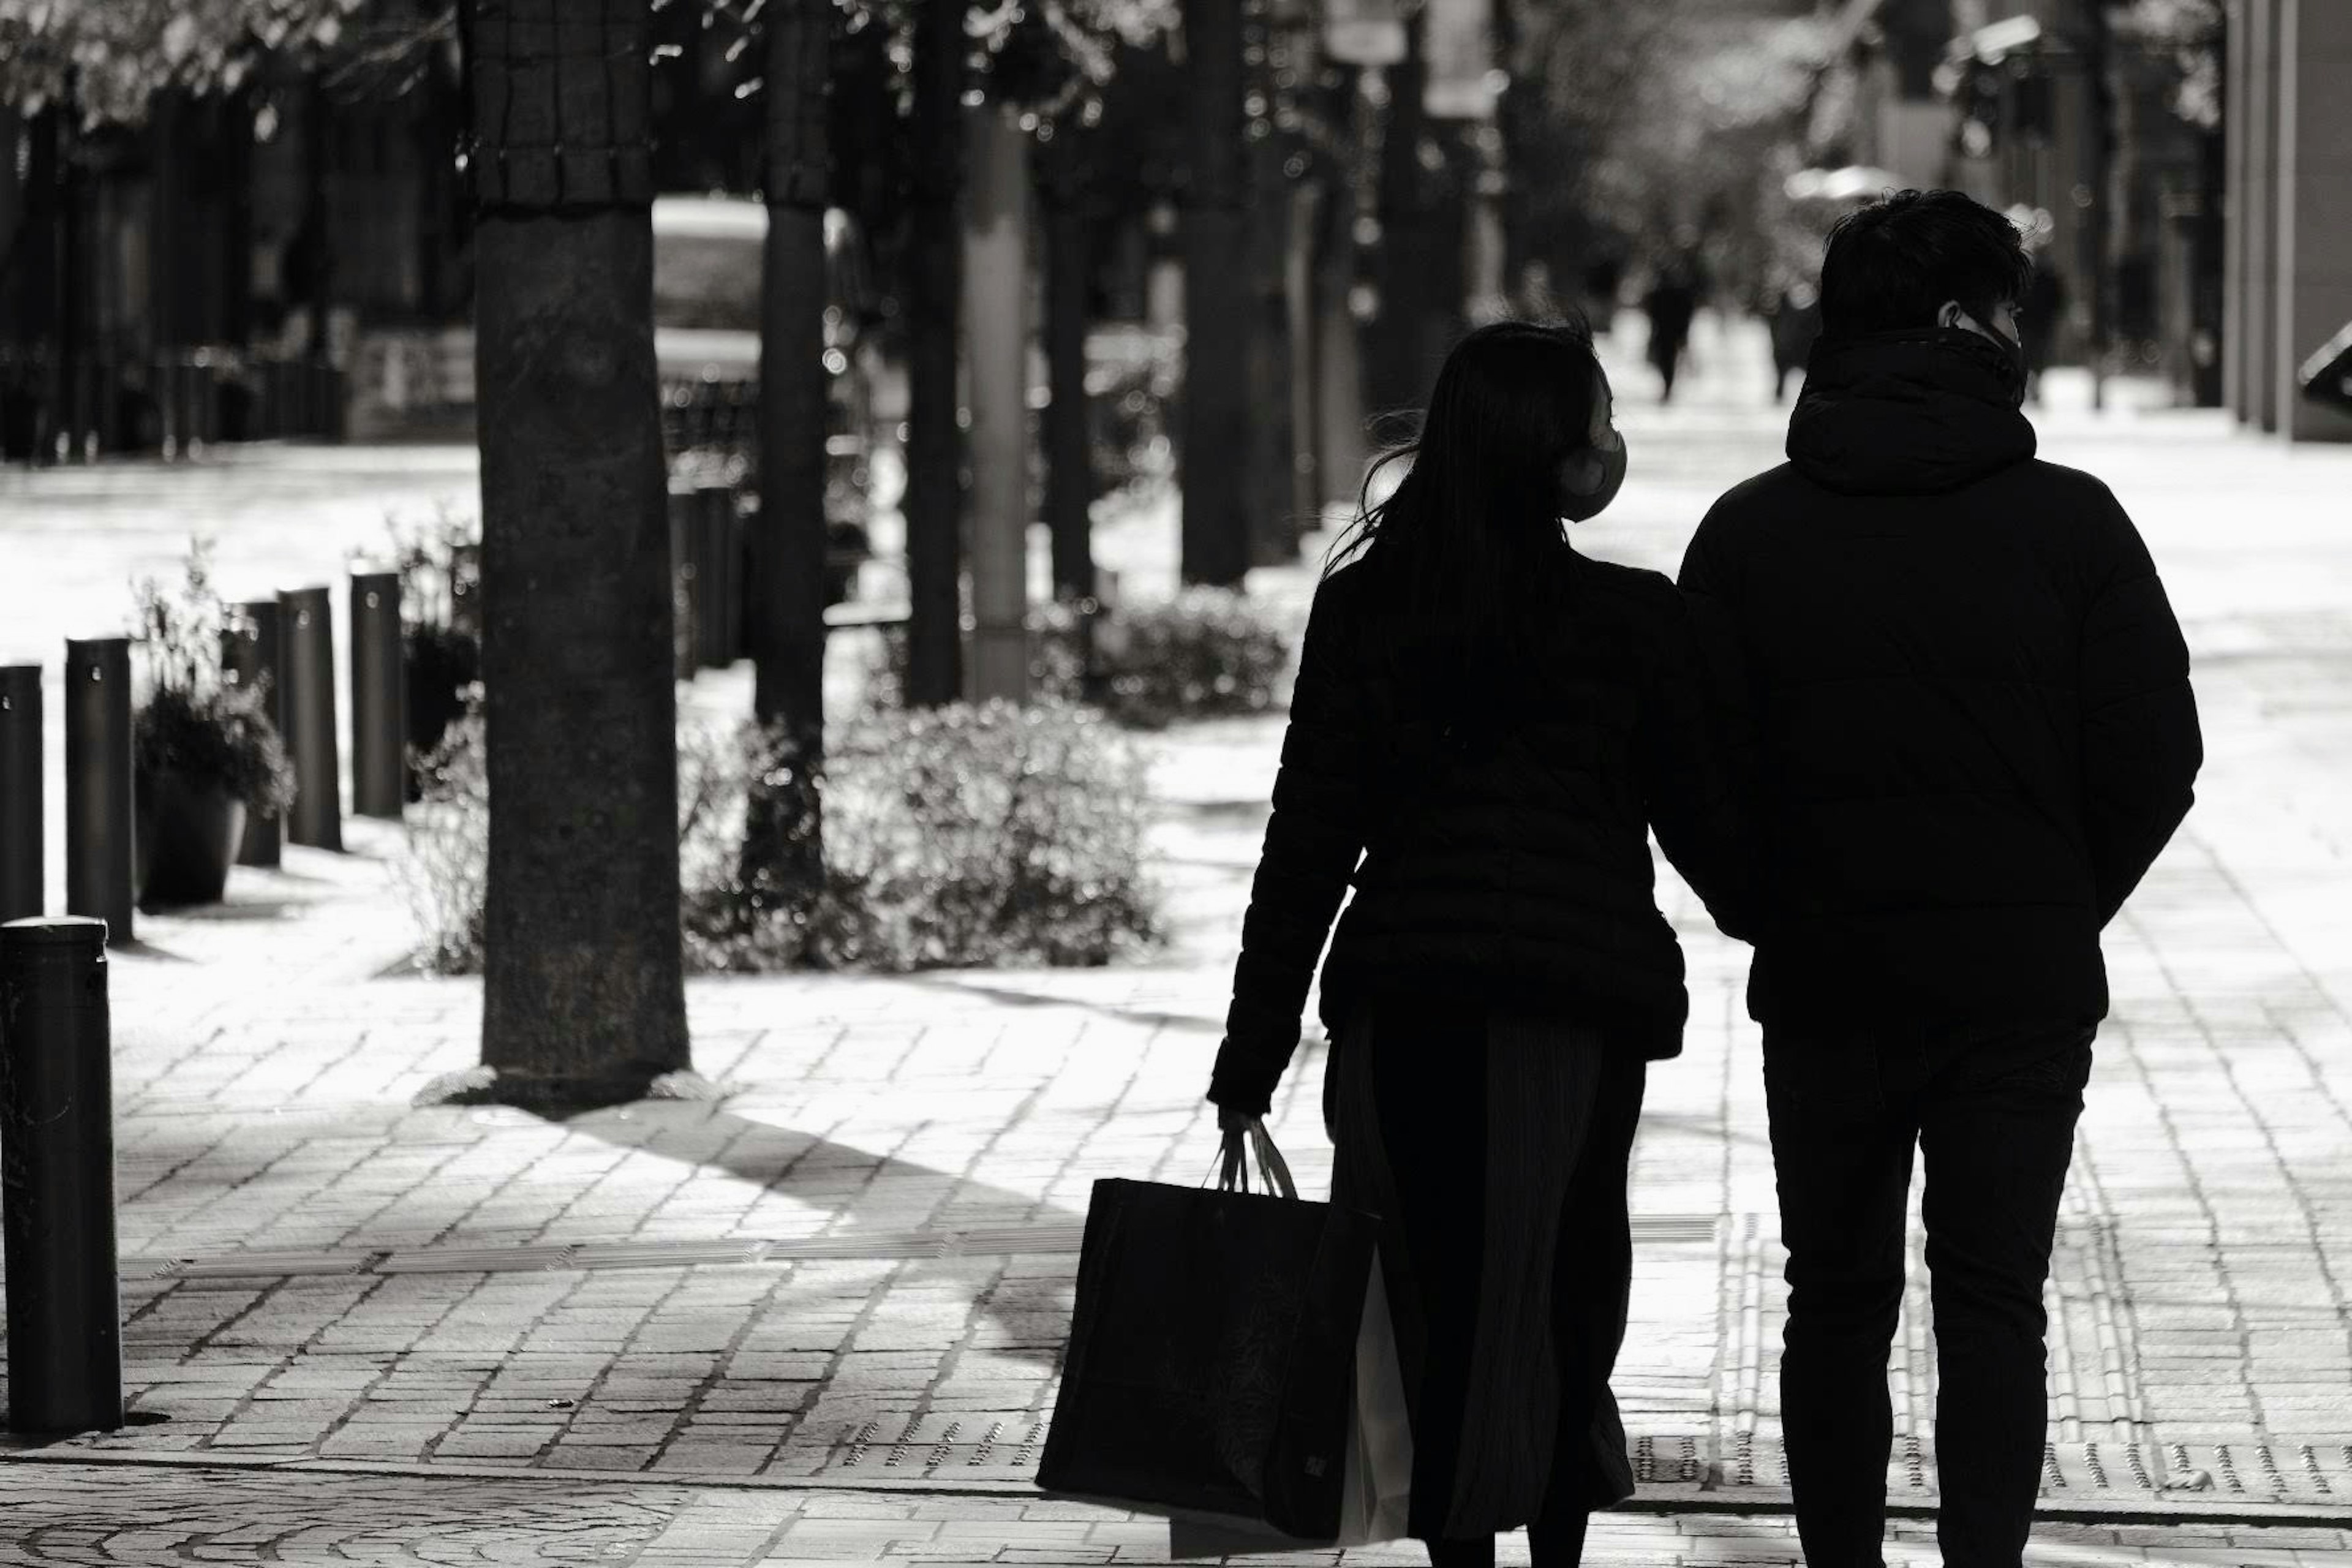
<point x="449" y="1313"/>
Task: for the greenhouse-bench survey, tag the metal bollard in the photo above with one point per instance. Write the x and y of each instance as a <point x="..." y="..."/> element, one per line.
<point x="379" y="696"/>
<point x="305" y="618"/>
<point x="101" y="847"/>
<point x="57" y="1179"/>
<point x="23" y="860"/>
<point x="715" y="581"/>
<point x="250" y="654"/>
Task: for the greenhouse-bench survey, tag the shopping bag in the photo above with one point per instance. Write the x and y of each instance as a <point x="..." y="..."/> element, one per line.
<point x="1211" y="1352"/>
<point x="1378" y="1498"/>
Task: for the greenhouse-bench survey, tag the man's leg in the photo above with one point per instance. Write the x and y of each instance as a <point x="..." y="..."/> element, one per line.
<point x="1998" y="1134"/>
<point x="1843" y="1161"/>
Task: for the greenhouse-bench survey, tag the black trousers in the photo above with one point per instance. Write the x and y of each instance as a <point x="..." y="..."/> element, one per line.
<point x="1994" y="1114"/>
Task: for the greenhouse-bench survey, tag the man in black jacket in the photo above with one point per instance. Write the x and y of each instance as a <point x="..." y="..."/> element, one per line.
<point x="1975" y="732"/>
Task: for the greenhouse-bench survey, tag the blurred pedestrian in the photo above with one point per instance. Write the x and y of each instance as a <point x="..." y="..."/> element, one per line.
<point x="1792" y="315"/>
<point x="1671" y="303"/>
<point x="1976" y="731"/>
<point x="1487" y="726"/>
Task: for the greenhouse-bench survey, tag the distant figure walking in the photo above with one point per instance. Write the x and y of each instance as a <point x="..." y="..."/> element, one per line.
<point x="1794" y="316"/>
<point x="1671" y="302"/>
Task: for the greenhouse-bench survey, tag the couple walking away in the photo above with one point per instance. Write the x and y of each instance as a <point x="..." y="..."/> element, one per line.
<point x="1915" y="722"/>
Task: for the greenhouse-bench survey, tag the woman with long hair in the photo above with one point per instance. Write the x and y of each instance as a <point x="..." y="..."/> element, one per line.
<point x="1485" y="727"/>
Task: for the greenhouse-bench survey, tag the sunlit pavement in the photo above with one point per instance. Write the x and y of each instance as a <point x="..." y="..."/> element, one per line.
<point x="688" y="1335"/>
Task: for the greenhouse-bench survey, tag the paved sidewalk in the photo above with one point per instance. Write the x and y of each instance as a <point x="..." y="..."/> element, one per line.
<point x="854" y="1273"/>
<point x="86" y="1513"/>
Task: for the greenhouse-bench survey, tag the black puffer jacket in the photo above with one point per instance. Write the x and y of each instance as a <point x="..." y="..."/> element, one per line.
<point x="1513" y="870"/>
<point x="1972" y="701"/>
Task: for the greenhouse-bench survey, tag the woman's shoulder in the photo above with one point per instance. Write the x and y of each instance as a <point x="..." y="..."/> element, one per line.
<point x="1637" y="590"/>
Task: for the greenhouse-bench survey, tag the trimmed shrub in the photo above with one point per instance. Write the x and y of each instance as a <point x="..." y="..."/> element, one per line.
<point x="978" y="835"/>
<point x="444" y="876"/>
<point x="1208" y="653"/>
<point x="965" y="837"/>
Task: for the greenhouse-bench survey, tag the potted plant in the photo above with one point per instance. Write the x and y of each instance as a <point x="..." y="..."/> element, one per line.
<point x="204" y="752"/>
<point x="441" y="640"/>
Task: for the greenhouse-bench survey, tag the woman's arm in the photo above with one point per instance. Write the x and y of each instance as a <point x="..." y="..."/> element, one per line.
<point x="1312" y="844"/>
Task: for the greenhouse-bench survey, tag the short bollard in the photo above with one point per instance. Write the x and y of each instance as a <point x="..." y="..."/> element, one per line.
<point x="250" y="654"/>
<point x="57" y="1179"/>
<point x="714" y="579"/>
<point x="379" y="696"/>
<point x="23" y="863"/>
<point x="305" y="623"/>
<point x="101" y="848"/>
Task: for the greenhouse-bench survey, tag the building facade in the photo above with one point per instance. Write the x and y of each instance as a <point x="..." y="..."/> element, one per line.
<point x="2289" y="250"/>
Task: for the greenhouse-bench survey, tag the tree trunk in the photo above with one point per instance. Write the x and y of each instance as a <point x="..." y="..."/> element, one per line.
<point x="583" y="999"/>
<point x="782" y="847"/>
<point x="319" y="218"/>
<point x="1069" y="440"/>
<point x="1397" y="377"/>
<point x="1306" y="203"/>
<point x="788" y="551"/>
<point x="1340" y="437"/>
<point x="39" y="318"/>
<point x="1271" y="361"/>
<point x="934" y="501"/>
<point x="996" y="306"/>
<point x="1217" y="408"/>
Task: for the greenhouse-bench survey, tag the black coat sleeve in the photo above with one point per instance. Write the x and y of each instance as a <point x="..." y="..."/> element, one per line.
<point x="1312" y="845"/>
<point x="2141" y="744"/>
<point x="1689" y="742"/>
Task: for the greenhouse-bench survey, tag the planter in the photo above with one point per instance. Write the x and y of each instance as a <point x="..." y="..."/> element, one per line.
<point x="188" y="837"/>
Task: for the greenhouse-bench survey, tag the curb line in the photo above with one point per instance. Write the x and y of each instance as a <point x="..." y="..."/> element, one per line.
<point x="1770" y="1503"/>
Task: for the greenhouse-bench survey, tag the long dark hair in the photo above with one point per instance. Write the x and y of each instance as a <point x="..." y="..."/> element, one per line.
<point x="1465" y="558"/>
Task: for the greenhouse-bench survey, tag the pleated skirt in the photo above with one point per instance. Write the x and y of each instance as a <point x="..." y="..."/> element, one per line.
<point x="1495" y="1147"/>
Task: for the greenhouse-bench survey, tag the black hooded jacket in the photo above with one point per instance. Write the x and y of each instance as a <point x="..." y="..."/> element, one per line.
<point x="1501" y="857"/>
<point x="1974" y="728"/>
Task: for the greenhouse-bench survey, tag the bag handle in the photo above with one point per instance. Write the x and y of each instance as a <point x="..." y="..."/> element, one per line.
<point x="1273" y="1171"/>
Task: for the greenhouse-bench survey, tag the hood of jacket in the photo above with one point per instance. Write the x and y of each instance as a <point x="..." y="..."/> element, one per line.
<point x="1908" y="413"/>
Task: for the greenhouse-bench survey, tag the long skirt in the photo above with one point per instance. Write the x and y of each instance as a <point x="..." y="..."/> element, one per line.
<point x="1495" y="1149"/>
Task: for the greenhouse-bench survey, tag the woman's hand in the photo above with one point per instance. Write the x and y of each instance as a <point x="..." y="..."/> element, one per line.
<point x="1234" y="1120"/>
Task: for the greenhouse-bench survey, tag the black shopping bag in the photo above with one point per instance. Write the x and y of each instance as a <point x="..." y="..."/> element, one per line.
<point x="1212" y="1357"/>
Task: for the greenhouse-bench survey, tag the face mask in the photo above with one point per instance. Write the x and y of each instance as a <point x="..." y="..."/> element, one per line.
<point x="1579" y="505"/>
<point x="2013" y="350"/>
<point x="2013" y="353"/>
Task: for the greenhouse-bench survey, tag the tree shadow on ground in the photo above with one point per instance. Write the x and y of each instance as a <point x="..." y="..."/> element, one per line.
<point x="137" y="947"/>
<point x="774" y="1158"/>
<point x="1026" y="1317"/>
<point x="1015" y="996"/>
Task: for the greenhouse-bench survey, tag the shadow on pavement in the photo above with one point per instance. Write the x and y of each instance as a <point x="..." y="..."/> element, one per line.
<point x="771" y="1157"/>
<point x="1013" y="997"/>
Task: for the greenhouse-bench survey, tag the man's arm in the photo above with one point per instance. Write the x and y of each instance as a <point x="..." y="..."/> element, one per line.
<point x="2141" y="744"/>
<point x="1312" y="844"/>
<point x="1688" y="743"/>
<point x="1709" y="592"/>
